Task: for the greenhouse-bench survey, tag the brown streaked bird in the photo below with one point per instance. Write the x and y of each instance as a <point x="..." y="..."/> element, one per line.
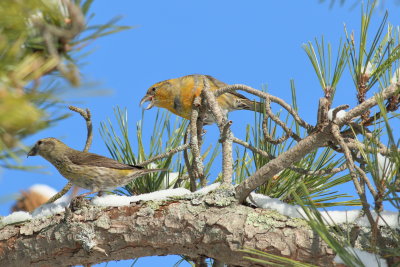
<point x="177" y="96"/>
<point x="87" y="170"/>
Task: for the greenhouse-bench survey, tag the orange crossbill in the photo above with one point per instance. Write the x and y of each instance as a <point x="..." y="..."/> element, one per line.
<point x="177" y="96"/>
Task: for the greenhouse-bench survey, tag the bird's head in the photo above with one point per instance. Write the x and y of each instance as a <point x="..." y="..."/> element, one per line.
<point x="45" y="146"/>
<point x="158" y="94"/>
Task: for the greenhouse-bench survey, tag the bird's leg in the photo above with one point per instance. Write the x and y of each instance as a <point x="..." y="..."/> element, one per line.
<point x="78" y="201"/>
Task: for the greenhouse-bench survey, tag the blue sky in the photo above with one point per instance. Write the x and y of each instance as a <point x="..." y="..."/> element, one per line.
<point x="256" y="43"/>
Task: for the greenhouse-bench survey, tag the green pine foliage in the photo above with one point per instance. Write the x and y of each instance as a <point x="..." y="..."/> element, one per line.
<point x="40" y="40"/>
<point x="166" y="137"/>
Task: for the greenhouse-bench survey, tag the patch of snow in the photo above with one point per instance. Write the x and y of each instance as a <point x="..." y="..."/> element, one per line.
<point x="395" y="77"/>
<point x="340" y="216"/>
<point x="170" y="179"/>
<point x="161" y="195"/>
<point x="111" y="200"/>
<point x="385" y="166"/>
<point x="17" y="216"/>
<point x="368" y="259"/>
<point x="265" y="202"/>
<point x="340" y="114"/>
<point x="115" y="201"/>
<point x="387" y="218"/>
<point x="207" y="189"/>
<point x="152" y="165"/>
<point x="369" y="69"/>
<point x="173" y="175"/>
<point x="43" y="189"/>
<point x="52" y="208"/>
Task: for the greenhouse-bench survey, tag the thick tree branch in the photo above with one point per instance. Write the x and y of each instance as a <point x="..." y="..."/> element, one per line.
<point x="323" y="132"/>
<point x="283" y="161"/>
<point x="159" y="228"/>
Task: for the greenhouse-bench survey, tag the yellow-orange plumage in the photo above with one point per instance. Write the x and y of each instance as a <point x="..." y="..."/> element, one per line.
<point x="177" y="96"/>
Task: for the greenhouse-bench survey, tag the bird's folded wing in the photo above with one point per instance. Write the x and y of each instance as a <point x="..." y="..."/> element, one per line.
<point x="90" y="159"/>
<point x="217" y="83"/>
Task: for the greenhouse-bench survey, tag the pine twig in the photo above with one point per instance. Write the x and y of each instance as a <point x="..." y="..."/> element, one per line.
<point x="350" y="165"/>
<point x="277" y="120"/>
<point x="165" y="155"/>
<point x="277" y="100"/>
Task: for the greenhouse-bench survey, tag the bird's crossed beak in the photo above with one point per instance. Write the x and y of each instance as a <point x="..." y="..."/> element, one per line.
<point x="147" y="98"/>
<point x="33" y="151"/>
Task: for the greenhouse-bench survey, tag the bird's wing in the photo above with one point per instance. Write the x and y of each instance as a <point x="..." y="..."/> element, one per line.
<point x="218" y="84"/>
<point x="90" y="159"/>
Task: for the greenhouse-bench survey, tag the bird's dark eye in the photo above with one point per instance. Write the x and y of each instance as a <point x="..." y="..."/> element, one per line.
<point x="39" y="143"/>
<point x="153" y="89"/>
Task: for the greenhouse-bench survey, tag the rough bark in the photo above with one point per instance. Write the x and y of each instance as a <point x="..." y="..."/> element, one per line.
<point x="213" y="225"/>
